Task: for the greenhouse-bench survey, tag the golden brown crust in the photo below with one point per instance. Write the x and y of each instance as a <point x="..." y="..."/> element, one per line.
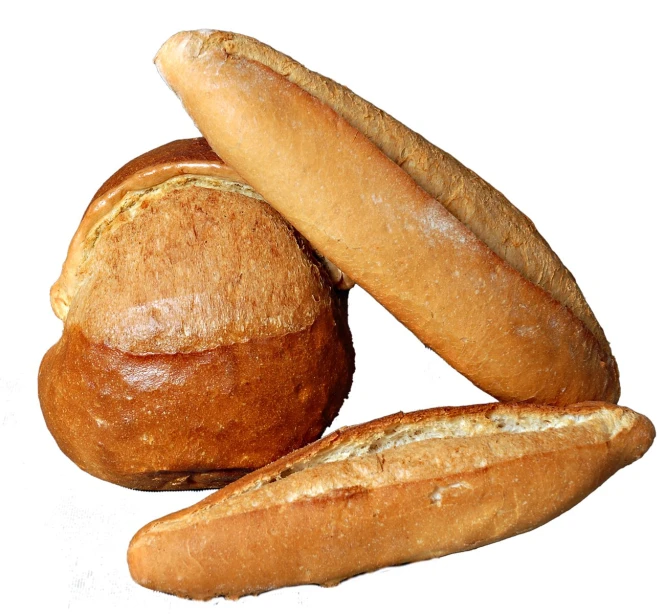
<point x="511" y="337"/>
<point x="197" y="419"/>
<point x="214" y="267"/>
<point x="399" y="489"/>
<point x="180" y="154"/>
<point x="184" y="159"/>
<point x="186" y="156"/>
<point x="202" y="337"/>
<point x="485" y="210"/>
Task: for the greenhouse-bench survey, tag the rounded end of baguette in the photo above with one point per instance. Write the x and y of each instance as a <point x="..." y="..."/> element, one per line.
<point x="187" y="46"/>
<point x="639" y="438"/>
<point x="163" y="572"/>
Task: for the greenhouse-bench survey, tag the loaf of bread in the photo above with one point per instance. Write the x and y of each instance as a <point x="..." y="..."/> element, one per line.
<point x="402" y="488"/>
<point x="444" y="251"/>
<point x="202" y="336"/>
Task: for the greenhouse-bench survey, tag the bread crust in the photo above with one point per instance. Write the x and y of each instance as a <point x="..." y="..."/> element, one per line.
<point x="182" y="157"/>
<point x="191" y="420"/>
<point x="402" y="488"/>
<point x="202" y="337"/>
<point x="447" y="254"/>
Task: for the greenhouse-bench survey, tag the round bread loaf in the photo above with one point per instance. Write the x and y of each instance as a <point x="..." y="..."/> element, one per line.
<point x="202" y="336"/>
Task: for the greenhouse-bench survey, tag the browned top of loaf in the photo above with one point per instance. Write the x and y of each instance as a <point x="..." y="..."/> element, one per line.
<point x="176" y="255"/>
<point x="482" y="208"/>
<point x="176" y="155"/>
<point x="186" y="156"/>
<point x="348" y="457"/>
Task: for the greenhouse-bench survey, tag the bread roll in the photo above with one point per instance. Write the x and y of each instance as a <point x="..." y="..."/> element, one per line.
<point x="402" y="488"/>
<point x="444" y="251"/>
<point x="202" y="338"/>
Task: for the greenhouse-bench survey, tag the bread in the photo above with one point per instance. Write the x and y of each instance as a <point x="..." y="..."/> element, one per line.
<point x="202" y="337"/>
<point x="402" y="488"/>
<point x="444" y="251"/>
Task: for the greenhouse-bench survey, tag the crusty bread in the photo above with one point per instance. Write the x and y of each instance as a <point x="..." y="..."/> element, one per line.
<point x="445" y="252"/>
<point x="202" y="337"/>
<point x="402" y="488"/>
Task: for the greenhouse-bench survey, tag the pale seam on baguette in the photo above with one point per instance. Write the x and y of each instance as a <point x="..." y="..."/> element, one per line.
<point x="399" y="489"/>
<point x="496" y="221"/>
<point x="602" y="426"/>
<point x="511" y="337"/>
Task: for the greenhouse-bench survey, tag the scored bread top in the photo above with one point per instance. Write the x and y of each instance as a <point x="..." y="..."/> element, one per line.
<point x="421" y="445"/>
<point x="486" y="211"/>
<point x="176" y="254"/>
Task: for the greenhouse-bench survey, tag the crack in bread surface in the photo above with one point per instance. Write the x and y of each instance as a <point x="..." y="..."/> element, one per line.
<point x="437" y="451"/>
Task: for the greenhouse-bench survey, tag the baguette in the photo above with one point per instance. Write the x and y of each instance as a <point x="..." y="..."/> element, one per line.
<point x="441" y="249"/>
<point x="402" y="488"/>
<point x="202" y="338"/>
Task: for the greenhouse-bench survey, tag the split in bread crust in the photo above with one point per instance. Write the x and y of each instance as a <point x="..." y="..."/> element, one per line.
<point x="445" y="252"/>
<point x="402" y="488"/>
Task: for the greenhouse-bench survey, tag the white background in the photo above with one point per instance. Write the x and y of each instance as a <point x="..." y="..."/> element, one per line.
<point x="561" y="108"/>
